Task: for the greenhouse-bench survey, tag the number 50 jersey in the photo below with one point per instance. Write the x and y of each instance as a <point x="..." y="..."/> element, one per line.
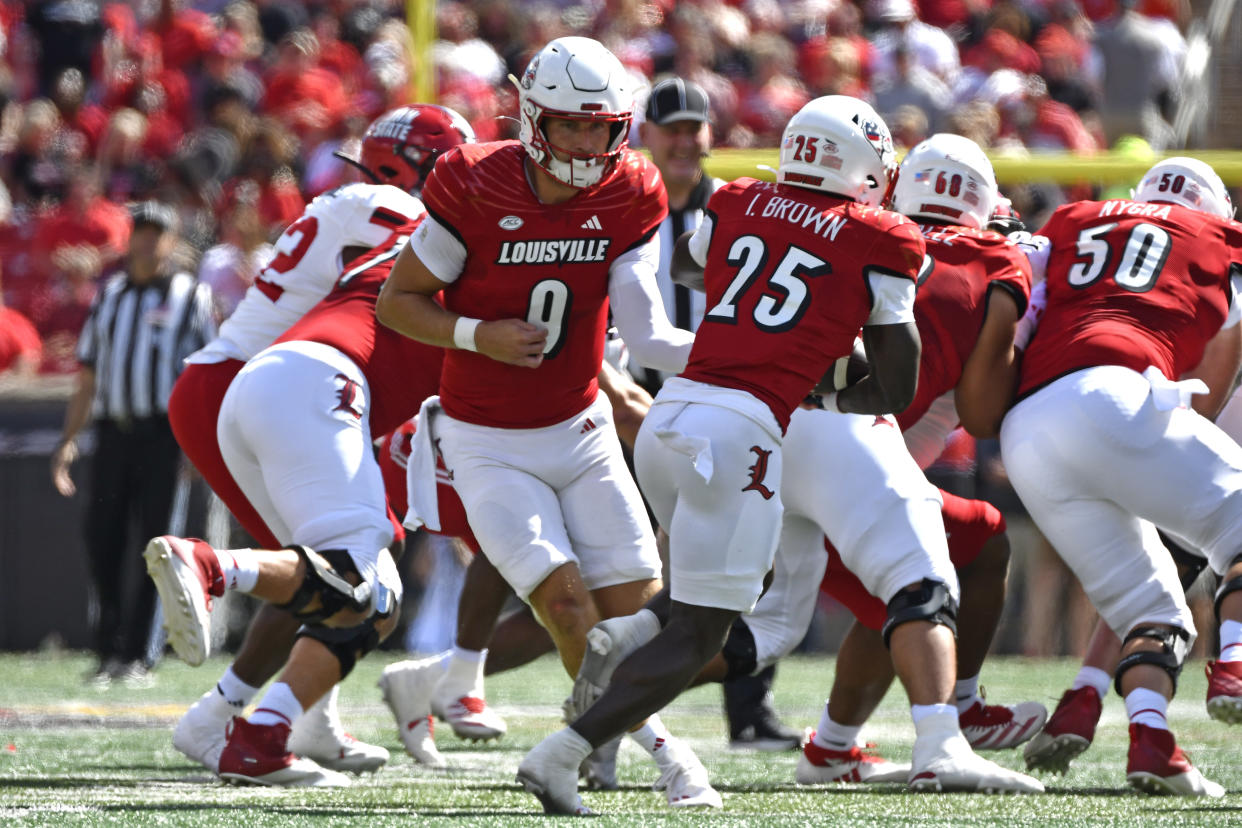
<point x="1134" y="284"/>
<point x="791" y="276"/>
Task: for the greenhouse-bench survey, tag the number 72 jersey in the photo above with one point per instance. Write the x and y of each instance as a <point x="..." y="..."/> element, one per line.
<point x="308" y="262"/>
<point x="1134" y="284"/>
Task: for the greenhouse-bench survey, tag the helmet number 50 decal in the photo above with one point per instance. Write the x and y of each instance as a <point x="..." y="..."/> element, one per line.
<point x="786" y="295"/>
<point x="550" y="300"/>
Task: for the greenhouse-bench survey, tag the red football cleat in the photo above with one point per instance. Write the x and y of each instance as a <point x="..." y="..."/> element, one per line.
<point x="187" y="574"/>
<point x="1068" y="733"/>
<point x="1158" y="766"/>
<point x="1224" y="694"/>
<point x="820" y="765"/>
<point x="258" y="755"/>
<point x="999" y="727"/>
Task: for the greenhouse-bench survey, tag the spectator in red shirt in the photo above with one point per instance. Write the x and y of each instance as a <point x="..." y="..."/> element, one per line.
<point x="184" y="34"/>
<point x="300" y="94"/>
<point x="21" y="349"/>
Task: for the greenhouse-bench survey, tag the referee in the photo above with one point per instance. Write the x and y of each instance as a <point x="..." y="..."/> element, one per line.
<point x="145" y="320"/>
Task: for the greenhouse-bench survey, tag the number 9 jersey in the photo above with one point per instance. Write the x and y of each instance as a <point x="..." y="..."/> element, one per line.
<point x="506" y="255"/>
<point x="1134" y="284"/>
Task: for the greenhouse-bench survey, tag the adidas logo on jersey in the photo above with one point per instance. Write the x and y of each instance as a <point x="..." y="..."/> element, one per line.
<point x="592" y="224"/>
<point x="589" y="425"/>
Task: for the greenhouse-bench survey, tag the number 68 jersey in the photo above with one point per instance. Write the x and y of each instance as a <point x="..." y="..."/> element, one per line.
<point x="1134" y="284"/>
<point x="791" y="276"/>
<point x="308" y="263"/>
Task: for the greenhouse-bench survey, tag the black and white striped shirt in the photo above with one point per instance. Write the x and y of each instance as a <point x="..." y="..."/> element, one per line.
<point x="136" y="339"/>
<point x="685" y="307"/>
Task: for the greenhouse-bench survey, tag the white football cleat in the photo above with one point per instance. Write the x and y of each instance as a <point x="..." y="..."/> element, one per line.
<point x="319" y="736"/>
<point x="684" y="779"/>
<point x="944" y="761"/>
<point x="550" y="773"/>
<point x="471" y="718"/>
<point x="599" y="770"/>
<point x="203" y="729"/>
<point x="609" y="643"/>
<point x="186" y="574"/>
<point x="821" y="766"/>
<point x="406" y="687"/>
<point x="259" y="755"/>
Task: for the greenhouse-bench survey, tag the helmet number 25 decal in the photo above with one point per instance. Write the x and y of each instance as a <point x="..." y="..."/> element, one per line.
<point x="786" y="296"/>
<point x="550" y="301"/>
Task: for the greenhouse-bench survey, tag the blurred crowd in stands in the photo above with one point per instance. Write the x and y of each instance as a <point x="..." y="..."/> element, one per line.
<point x="230" y="110"/>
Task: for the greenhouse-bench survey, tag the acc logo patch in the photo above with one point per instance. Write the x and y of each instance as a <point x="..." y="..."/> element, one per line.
<point x="510" y="222"/>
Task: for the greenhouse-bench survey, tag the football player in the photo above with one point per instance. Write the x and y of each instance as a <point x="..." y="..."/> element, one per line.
<point x="532" y="242"/>
<point x="786" y="298"/>
<point x="1102" y="442"/>
<point x="397" y="152"/>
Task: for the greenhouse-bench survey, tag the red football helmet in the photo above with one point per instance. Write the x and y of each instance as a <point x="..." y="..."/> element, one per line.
<point x="401" y="146"/>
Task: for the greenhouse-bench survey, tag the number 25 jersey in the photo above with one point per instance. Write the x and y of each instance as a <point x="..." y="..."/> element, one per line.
<point x="545" y="263"/>
<point x="1133" y="284"/>
<point x="788" y="280"/>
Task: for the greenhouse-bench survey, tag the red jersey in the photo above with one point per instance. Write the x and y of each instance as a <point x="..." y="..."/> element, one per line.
<point x="401" y="372"/>
<point x="547" y="263"/>
<point x="1132" y="284"/>
<point x="787" y="286"/>
<point x="953" y="299"/>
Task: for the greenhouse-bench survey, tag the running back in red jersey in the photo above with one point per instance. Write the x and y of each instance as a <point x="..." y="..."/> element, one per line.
<point x="546" y="263"/>
<point x="1134" y="284"/>
<point x="952" y="301"/>
<point x="796" y="263"/>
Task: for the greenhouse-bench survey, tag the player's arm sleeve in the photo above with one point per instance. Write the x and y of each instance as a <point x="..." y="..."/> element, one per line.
<point x="892" y="298"/>
<point x="1235" y="294"/>
<point x="638" y="310"/>
<point x="690" y="255"/>
<point x="440" y="249"/>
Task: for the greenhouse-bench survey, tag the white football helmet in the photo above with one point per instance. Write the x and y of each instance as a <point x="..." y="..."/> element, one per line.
<point x="579" y="79"/>
<point x="947" y="178"/>
<point x="840" y="145"/>
<point x="1188" y="182"/>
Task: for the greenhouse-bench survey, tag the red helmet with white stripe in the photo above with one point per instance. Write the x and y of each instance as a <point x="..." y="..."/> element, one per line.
<point x="401" y="146"/>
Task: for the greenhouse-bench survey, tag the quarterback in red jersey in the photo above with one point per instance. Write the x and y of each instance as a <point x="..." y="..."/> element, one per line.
<point x="792" y="271"/>
<point x="310" y="472"/>
<point x="533" y="242"/>
<point x="1103" y="443"/>
<point x="397" y="152"/>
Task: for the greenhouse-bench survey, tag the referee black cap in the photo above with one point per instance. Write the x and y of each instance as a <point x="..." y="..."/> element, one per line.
<point x="676" y="99"/>
<point x="154" y="214"/>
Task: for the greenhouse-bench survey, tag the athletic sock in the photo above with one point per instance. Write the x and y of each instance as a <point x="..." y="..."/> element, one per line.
<point x="278" y="706"/>
<point x="1092" y="677"/>
<point x="654" y="737"/>
<point x="966" y="693"/>
<point x="919" y="712"/>
<point x="235" y="691"/>
<point x="463" y="675"/>
<point x="1230" y="641"/>
<point x="241" y="568"/>
<point x="1147" y="707"/>
<point x="834" y="736"/>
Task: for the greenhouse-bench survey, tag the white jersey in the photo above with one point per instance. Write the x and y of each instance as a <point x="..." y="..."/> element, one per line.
<point x="308" y="263"/>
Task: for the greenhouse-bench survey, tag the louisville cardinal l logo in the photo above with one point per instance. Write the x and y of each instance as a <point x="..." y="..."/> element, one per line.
<point x="758" y="472"/>
<point x="349" y="396"/>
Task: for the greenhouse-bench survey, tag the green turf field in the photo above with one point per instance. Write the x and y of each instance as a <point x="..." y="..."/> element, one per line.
<point x="70" y="755"/>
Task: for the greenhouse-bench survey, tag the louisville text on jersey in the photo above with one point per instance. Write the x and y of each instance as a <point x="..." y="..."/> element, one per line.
<point x="553" y="251"/>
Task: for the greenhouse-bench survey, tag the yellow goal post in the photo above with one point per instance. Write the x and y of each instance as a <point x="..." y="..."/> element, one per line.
<point x="1037" y="167"/>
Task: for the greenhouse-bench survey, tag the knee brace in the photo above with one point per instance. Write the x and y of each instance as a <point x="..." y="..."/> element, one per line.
<point x="930" y="602"/>
<point x="1174" y="644"/>
<point x="327" y="583"/>
<point x="1189" y="565"/>
<point x="1226" y="587"/>
<point x="348" y="644"/>
<point x="739" y="652"/>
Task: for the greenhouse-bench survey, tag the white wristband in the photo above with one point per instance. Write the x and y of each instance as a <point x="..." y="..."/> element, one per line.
<point x="463" y="333"/>
<point x="828" y="402"/>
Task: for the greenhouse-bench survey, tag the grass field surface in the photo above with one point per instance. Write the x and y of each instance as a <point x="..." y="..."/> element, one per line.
<point x="72" y="755"/>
